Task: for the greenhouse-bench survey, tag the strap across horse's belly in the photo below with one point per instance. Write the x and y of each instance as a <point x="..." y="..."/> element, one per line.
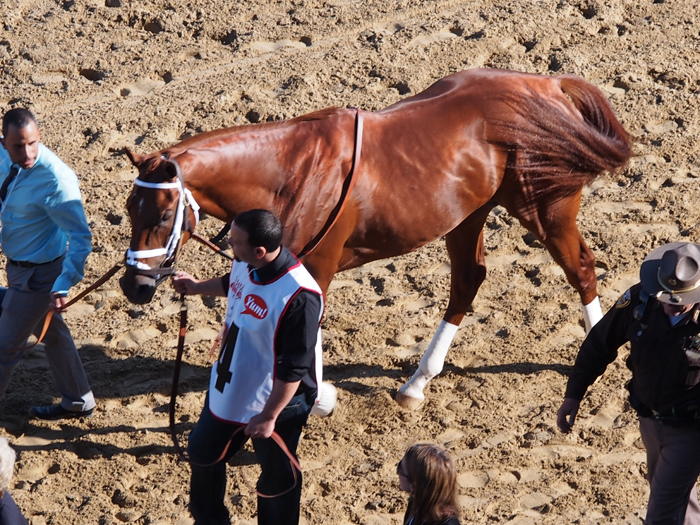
<point x="348" y="185"/>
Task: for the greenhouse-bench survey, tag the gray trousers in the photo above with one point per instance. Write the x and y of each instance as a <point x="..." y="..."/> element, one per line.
<point x="673" y="463"/>
<point x="24" y="307"/>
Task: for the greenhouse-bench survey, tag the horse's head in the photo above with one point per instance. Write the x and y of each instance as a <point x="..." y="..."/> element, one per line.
<point x="163" y="215"/>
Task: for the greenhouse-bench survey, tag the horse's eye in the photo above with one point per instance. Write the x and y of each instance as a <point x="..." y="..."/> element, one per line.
<point x="167" y="215"/>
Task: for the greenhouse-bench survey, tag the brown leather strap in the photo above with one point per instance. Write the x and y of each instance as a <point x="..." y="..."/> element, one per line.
<point x="292" y="460"/>
<point x="283" y="446"/>
<point x="176" y="378"/>
<point x="348" y="185"/>
<point x="211" y="245"/>
<point x="47" y="320"/>
<point x="217" y="341"/>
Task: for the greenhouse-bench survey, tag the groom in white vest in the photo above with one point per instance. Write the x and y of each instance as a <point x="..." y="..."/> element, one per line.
<point x="267" y="374"/>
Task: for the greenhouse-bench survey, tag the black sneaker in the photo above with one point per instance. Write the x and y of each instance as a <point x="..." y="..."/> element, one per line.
<point x="56" y="412"/>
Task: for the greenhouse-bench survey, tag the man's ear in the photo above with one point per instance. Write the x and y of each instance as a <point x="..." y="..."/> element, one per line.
<point x="260" y="252"/>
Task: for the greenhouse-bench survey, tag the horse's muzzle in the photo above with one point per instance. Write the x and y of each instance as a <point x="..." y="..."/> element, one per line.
<point x="138" y="289"/>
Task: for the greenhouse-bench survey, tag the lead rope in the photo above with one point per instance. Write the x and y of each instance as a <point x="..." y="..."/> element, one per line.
<point x="47" y="320"/>
<point x="211" y="245"/>
<point x="106" y="277"/>
<point x="173" y="398"/>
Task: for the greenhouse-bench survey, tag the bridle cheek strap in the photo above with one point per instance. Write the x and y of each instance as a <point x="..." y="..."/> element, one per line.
<point x="185" y="200"/>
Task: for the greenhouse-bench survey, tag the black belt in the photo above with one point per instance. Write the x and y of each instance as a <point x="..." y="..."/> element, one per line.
<point x="683" y="418"/>
<point x="678" y="421"/>
<point x="686" y="415"/>
<point x="29" y="264"/>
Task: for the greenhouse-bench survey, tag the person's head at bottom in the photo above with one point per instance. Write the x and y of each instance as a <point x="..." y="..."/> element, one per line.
<point x="428" y="474"/>
<point x="9" y="512"/>
<point x="7" y="464"/>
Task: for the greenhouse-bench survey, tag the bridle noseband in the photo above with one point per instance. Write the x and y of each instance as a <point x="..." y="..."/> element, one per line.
<point x="180" y="225"/>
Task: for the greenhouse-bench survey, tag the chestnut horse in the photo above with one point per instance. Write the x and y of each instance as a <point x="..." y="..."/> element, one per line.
<point x="431" y="165"/>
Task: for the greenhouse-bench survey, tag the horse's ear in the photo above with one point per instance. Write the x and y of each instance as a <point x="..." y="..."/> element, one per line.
<point x="135" y="158"/>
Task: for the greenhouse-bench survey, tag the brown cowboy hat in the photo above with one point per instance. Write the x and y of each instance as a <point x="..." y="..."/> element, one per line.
<point x="671" y="273"/>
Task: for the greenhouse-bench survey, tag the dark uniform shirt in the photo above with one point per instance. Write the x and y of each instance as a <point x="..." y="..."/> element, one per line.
<point x="295" y="341"/>
<point x="664" y="359"/>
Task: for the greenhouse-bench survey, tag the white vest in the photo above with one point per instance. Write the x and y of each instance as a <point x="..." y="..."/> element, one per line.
<point x="241" y="379"/>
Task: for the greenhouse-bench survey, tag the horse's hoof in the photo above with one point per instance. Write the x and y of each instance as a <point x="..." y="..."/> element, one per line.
<point x="404" y="401"/>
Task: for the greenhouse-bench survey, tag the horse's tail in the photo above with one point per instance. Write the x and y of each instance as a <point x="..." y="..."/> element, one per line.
<point x="609" y="142"/>
<point x="556" y="151"/>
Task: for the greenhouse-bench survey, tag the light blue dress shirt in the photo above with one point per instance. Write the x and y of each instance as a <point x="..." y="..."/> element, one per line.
<point x="43" y="215"/>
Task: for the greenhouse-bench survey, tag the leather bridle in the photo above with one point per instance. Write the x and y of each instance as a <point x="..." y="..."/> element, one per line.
<point x="181" y="224"/>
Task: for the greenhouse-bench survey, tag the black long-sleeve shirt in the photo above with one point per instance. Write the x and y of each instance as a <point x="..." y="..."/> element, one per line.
<point x="295" y="341"/>
<point x="664" y="358"/>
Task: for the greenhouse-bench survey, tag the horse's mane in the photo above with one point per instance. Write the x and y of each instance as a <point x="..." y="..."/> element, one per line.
<point x="201" y="140"/>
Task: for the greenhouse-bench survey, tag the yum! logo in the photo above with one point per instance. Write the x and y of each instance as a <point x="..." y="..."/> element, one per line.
<point x="255" y="306"/>
<point x="236" y="288"/>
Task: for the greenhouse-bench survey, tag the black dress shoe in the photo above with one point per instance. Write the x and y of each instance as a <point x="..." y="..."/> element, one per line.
<point x="56" y="412"/>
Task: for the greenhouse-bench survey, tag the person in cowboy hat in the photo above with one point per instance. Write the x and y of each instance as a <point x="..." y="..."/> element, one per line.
<point x="659" y="317"/>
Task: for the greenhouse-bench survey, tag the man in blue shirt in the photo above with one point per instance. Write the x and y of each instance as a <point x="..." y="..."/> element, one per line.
<point x="46" y="239"/>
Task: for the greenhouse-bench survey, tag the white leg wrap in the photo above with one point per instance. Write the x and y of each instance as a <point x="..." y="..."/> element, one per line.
<point x="325" y="400"/>
<point x="432" y="361"/>
<point x="592" y="313"/>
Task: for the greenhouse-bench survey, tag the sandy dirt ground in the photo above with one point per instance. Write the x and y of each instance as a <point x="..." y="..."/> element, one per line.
<point x="105" y="75"/>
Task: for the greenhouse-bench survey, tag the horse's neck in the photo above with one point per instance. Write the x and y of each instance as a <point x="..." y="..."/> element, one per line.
<point x="231" y="175"/>
<point x="284" y="167"/>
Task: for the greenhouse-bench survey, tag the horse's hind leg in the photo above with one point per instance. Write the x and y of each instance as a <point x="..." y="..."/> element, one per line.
<point x="555" y="226"/>
<point x="465" y="244"/>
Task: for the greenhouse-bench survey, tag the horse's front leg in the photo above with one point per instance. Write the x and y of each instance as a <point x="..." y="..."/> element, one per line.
<point x="465" y="244"/>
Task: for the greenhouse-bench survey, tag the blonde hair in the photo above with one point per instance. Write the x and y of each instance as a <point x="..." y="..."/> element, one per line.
<point x="7" y="464"/>
<point x="432" y="473"/>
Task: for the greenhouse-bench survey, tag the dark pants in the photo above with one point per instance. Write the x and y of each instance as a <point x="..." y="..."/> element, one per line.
<point x="673" y="463"/>
<point x="208" y="484"/>
<point x="24" y="306"/>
